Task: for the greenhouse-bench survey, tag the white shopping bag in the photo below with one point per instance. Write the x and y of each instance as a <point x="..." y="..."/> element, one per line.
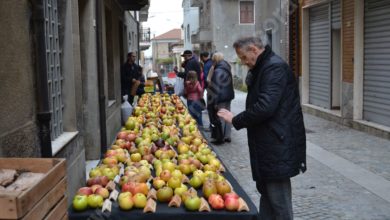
<point x="179" y="86"/>
<point x="126" y="109"/>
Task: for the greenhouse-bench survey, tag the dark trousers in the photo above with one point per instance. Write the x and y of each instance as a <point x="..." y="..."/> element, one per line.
<point x="215" y="123"/>
<point x="195" y="109"/>
<point x="275" y="200"/>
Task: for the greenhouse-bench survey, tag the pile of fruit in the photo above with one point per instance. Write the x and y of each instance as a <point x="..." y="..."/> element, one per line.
<point x="160" y="155"/>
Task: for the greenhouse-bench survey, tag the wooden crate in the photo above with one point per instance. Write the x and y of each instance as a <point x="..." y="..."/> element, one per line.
<point x="43" y="199"/>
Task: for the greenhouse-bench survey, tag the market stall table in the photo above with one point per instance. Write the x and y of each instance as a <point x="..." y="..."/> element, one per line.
<point x="163" y="212"/>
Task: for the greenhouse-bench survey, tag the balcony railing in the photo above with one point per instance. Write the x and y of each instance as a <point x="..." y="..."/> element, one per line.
<point x="145" y="35"/>
<point x="144" y="38"/>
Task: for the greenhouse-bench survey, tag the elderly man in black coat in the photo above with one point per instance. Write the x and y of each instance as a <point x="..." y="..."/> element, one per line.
<point x="274" y="121"/>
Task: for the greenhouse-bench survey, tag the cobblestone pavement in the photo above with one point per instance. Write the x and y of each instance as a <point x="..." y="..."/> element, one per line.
<point x="321" y="192"/>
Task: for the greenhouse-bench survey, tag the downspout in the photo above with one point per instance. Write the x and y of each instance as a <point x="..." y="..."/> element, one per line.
<point x="138" y="33"/>
<point x="43" y="108"/>
<point x="297" y="23"/>
<point x="100" y="73"/>
<point x="138" y="36"/>
<point x="290" y="34"/>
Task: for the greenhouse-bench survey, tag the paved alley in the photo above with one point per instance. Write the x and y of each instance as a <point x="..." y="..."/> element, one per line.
<point x="348" y="174"/>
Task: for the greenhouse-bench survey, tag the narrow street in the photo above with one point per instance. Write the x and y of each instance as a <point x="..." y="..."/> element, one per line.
<point x="348" y="171"/>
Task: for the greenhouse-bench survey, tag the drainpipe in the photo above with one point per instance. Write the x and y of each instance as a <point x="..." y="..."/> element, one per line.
<point x="136" y="15"/>
<point x="43" y="111"/>
<point x="138" y="36"/>
<point x="297" y="24"/>
<point x="100" y="73"/>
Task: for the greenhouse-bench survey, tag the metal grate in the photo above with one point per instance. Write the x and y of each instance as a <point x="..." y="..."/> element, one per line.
<point x="319" y="56"/>
<point x="55" y="79"/>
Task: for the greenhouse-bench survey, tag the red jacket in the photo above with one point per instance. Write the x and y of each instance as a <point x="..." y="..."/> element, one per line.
<point x="193" y="91"/>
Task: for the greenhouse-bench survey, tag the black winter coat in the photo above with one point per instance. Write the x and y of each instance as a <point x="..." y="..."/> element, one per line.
<point x="128" y="73"/>
<point x="221" y="86"/>
<point x="191" y="64"/>
<point x="274" y="120"/>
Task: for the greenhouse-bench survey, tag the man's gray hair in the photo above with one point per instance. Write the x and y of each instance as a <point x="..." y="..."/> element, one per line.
<point x="244" y="42"/>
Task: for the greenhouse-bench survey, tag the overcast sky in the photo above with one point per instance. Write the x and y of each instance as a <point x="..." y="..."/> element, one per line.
<point x="164" y="15"/>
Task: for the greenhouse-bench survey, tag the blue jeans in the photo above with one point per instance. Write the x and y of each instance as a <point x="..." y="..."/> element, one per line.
<point x="195" y="109"/>
<point x="275" y="200"/>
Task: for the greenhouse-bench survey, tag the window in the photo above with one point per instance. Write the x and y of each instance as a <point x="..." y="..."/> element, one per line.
<point x="54" y="76"/>
<point x="247" y="12"/>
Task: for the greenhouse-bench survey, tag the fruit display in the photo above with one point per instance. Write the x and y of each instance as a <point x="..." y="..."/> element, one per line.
<point x="160" y="156"/>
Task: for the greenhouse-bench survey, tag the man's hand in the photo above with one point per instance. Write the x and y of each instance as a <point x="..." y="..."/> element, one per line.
<point x="226" y="115"/>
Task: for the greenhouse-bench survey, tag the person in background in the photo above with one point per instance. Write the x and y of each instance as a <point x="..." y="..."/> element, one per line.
<point x="220" y="93"/>
<point x="141" y="78"/>
<point x="207" y="63"/>
<point x="194" y="93"/>
<point x="129" y="76"/>
<point x="190" y="63"/>
<point x="274" y="121"/>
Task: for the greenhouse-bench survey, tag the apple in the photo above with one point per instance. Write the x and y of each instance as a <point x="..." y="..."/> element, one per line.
<point x="185" y="168"/>
<point x="216" y="201"/>
<point x="80" y="202"/>
<point x="158" y="183"/>
<point x="121" y="135"/>
<point x="196" y="141"/>
<point x="232" y="194"/>
<point x="196" y="181"/>
<point x="164" y="194"/>
<point x="104" y="180"/>
<point x="135" y="157"/>
<point x="209" y="167"/>
<point x="215" y="162"/>
<point x="223" y="187"/>
<point x="95" y="187"/>
<point x="123" y="195"/>
<point x="86" y="191"/>
<point x="203" y="159"/>
<point x="131" y="137"/>
<point x="209" y="188"/>
<point x="192" y="203"/>
<point x="177" y="174"/>
<point x="103" y="192"/>
<point x="169" y="166"/>
<point x="165" y="175"/>
<point x="180" y="190"/>
<point x="109" y="173"/>
<point x="110" y="160"/>
<point x="95" y="172"/>
<point x="130" y="124"/>
<point x="231" y="203"/>
<point x="174" y="182"/>
<point x="125" y="201"/>
<point x="95" y="201"/>
<point x="135" y="188"/>
<point x="139" y="200"/>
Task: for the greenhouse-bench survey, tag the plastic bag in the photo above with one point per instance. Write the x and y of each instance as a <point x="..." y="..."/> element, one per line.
<point x="126" y="109"/>
<point x="179" y="86"/>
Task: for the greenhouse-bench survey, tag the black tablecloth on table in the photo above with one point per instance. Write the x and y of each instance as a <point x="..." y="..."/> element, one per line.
<point x="163" y="212"/>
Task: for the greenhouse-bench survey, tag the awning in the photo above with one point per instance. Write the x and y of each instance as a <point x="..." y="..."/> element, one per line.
<point x="133" y="5"/>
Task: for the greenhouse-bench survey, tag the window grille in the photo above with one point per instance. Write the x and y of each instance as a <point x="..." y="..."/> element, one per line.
<point x="246" y="12"/>
<point x="55" y="79"/>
